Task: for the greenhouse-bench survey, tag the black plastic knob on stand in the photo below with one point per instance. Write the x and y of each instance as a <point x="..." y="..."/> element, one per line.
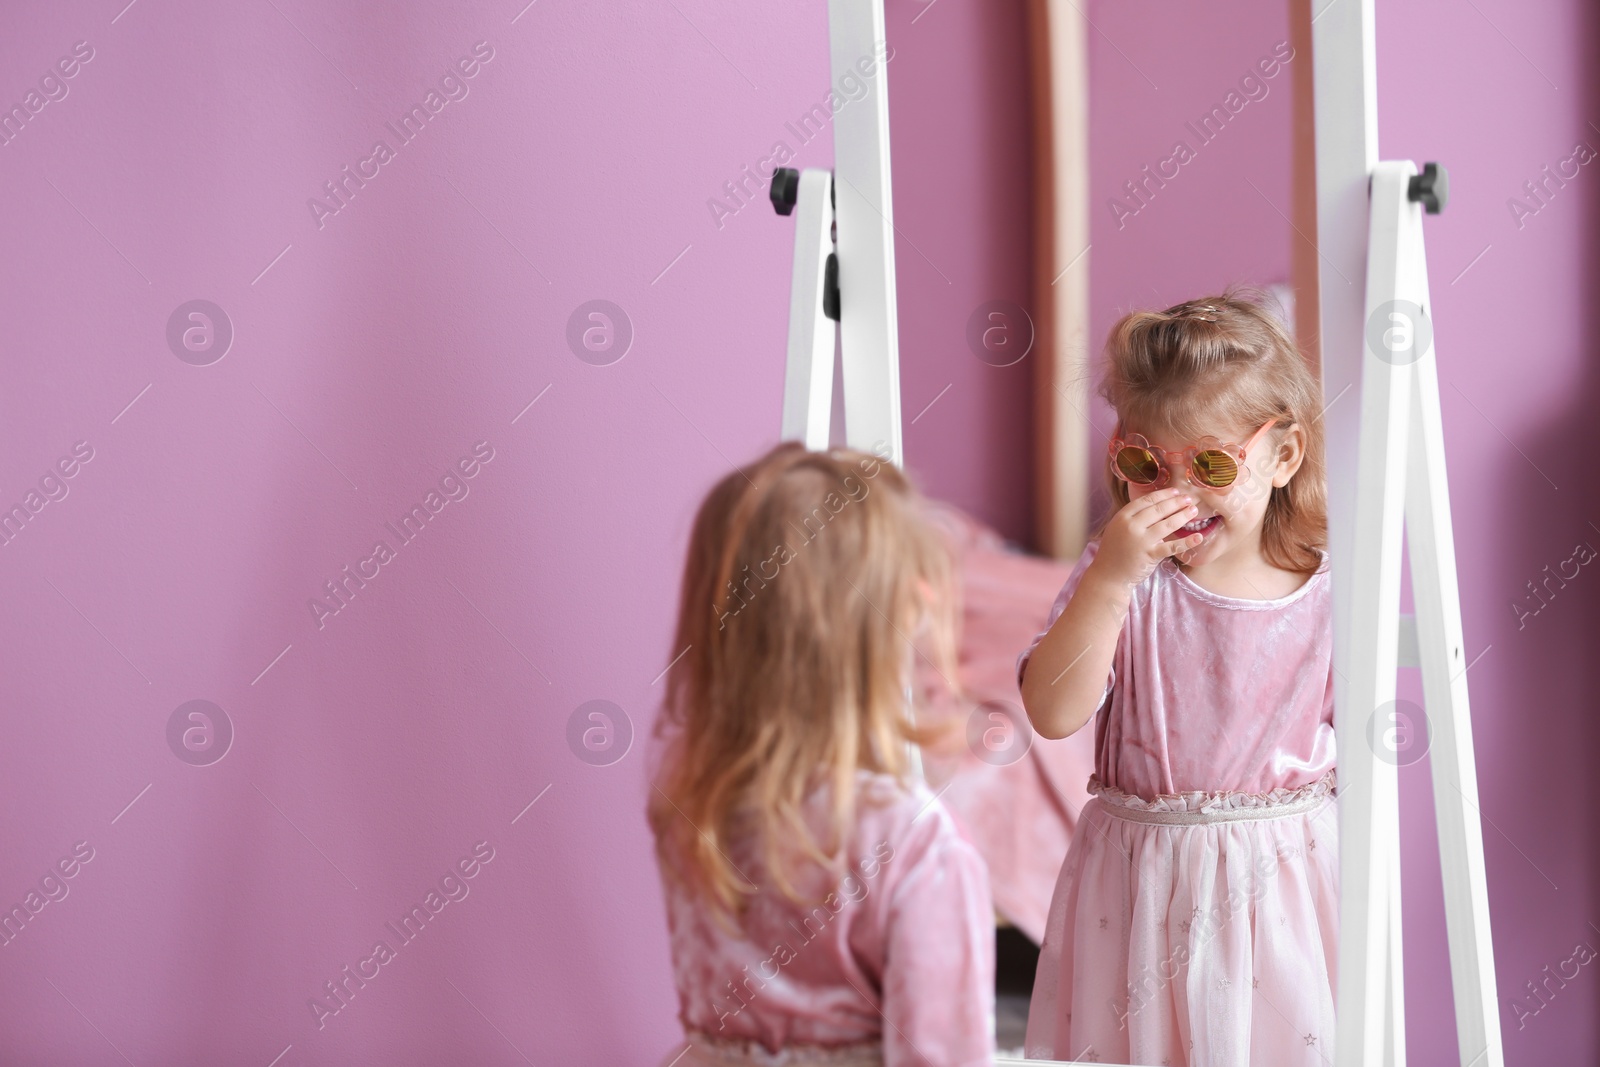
<point x="830" y="287"/>
<point x="1432" y="187"/>
<point x="785" y="189"/>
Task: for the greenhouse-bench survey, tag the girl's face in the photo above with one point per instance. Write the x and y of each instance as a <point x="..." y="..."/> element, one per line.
<point x="1230" y="518"/>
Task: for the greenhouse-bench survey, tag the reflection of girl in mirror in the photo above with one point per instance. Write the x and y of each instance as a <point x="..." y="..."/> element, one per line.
<point x="822" y="906"/>
<point x="1195" y="918"/>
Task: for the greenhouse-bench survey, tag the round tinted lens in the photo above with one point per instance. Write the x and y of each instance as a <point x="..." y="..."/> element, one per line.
<point x="1215" y="468"/>
<point x="1138" y="465"/>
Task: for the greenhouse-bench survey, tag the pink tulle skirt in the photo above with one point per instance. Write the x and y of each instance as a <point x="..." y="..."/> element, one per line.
<point x="1199" y="928"/>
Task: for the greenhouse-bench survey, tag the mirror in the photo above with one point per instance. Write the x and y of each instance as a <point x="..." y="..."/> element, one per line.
<point x="1172" y="156"/>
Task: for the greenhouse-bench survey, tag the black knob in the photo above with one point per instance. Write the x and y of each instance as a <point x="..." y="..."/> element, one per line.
<point x="830" y="287"/>
<point x="785" y="189"/>
<point x="1432" y="187"/>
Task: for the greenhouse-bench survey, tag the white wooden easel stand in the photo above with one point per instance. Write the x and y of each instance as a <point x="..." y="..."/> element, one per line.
<point x="858" y="290"/>
<point x="1386" y="468"/>
<point x="1387" y="457"/>
<point x="1401" y="482"/>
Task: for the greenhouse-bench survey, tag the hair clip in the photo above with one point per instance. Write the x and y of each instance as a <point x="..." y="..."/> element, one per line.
<point x="1193" y="311"/>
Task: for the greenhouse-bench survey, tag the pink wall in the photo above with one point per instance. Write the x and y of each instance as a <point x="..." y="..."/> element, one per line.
<point x="423" y="317"/>
<point x="963" y="183"/>
<point x="373" y="347"/>
<point x="1496" y="96"/>
<point x="1156" y="71"/>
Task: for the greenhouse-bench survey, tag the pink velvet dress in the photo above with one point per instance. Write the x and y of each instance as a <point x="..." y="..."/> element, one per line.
<point x="1195" y="920"/>
<point x="894" y="964"/>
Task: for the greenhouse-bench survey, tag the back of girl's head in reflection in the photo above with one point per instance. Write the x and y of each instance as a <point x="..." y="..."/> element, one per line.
<point x="809" y="576"/>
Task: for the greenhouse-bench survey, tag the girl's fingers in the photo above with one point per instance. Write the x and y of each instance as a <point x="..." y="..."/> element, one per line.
<point x="1181" y="544"/>
<point x="1167" y="525"/>
<point x="1180" y="511"/>
<point x="1159" y="496"/>
<point x="1160" y="505"/>
<point x="1174" y="519"/>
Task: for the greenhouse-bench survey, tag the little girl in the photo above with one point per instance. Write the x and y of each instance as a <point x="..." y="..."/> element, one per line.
<point x="1195" y="918"/>
<point x="823" y="907"/>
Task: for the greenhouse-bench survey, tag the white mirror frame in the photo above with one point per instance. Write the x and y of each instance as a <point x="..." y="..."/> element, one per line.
<point x="1386" y="469"/>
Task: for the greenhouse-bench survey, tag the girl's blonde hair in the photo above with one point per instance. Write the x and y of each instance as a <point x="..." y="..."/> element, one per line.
<point x="1225" y="358"/>
<point x="807" y="574"/>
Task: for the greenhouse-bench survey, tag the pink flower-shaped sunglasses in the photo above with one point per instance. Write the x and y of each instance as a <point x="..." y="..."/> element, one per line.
<point x="1212" y="463"/>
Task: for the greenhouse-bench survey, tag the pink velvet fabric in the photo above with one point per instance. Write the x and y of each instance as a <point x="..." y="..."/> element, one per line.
<point x="894" y="964"/>
<point x="1201" y="944"/>
<point x="1020" y="813"/>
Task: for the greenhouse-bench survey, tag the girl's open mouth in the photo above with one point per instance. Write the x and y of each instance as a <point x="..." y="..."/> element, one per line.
<point x="1198" y="526"/>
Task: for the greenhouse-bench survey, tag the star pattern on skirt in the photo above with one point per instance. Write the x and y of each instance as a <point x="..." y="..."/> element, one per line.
<point x="1102" y="922"/>
<point x="1224" y="982"/>
<point x="1311" y="1039"/>
<point x="1313" y="845"/>
<point x="1255" y="983"/>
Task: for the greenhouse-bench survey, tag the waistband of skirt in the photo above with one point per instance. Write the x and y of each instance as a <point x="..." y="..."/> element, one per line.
<point x="1201" y="808"/>
<point x="722" y="1050"/>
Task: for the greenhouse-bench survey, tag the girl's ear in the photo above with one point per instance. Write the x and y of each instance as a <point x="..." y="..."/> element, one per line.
<point x="1291" y="453"/>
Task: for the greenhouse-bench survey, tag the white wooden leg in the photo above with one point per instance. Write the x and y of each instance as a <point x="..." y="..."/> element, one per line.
<point x="1441" y="644"/>
<point x="1367" y="659"/>
<point x="808" y="379"/>
<point x="869" y="337"/>
<point x="1394" y="1024"/>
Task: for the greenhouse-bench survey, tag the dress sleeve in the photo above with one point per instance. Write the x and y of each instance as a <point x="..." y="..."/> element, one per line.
<point x="938" y="988"/>
<point x="1071" y="585"/>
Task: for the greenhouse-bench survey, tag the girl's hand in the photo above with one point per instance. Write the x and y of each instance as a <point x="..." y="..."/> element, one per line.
<point x="1134" y="541"/>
